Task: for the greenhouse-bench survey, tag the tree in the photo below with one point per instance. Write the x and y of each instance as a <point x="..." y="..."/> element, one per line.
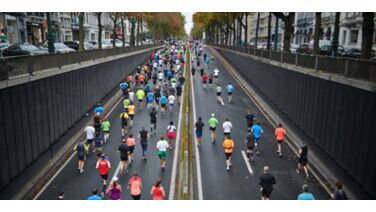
<point x="367" y="34"/>
<point x="269" y="30"/>
<point x="288" y="20"/>
<point x="122" y="19"/>
<point x="81" y="32"/>
<point x="316" y="35"/>
<point x="257" y="28"/>
<point x="335" y="35"/>
<point x="99" y="19"/>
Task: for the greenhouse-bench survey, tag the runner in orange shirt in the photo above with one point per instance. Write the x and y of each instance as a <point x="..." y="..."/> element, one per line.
<point x="135" y="186"/>
<point x="280" y="137"/>
<point x="228" y="145"/>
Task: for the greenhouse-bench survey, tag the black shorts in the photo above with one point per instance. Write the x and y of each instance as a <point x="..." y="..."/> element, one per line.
<point x="228" y="155"/>
<point x="215" y="76"/>
<point x="210" y="81"/>
<point x="163" y="105"/>
<point x="124" y="158"/>
<point x="153" y="122"/>
<point x="218" y="93"/>
<point x="104" y="176"/>
<point x="81" y="157"/>
<point x="250" y="145"/>
<point x="124" y="124"/>
<point x="280" y="141"/>
<point x="266" y="193"/>
<point x="226" y="133"/>
<point x="89" y="141"/>
<point x="204" y="82"/>
<point x="229" y="93"/>
<point x="212" y="129"/>
<point x="131" y="149"/>
<point x="303" y="161"/>
<point x="131" y="116"/>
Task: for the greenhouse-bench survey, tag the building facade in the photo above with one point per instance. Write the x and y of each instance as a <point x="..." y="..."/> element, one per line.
<point x="263" y="29"/>
<point x="13" y="28"/>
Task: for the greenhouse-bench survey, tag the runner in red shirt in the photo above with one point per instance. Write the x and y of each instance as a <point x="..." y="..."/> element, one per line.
<point x="204" y="80"/>
<point x="134" y="186"/>
<point x="157" y="191"/>
<point x="280" y="137"/>
<point x="103" y="166"/>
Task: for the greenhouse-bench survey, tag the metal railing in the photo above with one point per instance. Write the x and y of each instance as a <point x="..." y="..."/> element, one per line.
<point x="13" y="66"/>
<point x="349" y="67"/>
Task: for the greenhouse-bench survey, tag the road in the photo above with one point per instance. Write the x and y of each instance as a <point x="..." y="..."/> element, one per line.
<point x="238" y="183"/>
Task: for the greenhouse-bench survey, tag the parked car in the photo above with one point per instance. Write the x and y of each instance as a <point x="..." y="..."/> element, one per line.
<point x="327" y="50"/>
<point x="59" y="48"/>
<point x="2" y="47"/>
<point x="107" y="43"/>
<point x="23" y="49"/>
<point x="303" y="49"/>
<point x="293" y="47"/>
<point x="74" y="45"/>
<point x="356" y="53"/>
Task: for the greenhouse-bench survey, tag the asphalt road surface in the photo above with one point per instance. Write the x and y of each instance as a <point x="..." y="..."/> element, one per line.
<point x="238" y="183"/>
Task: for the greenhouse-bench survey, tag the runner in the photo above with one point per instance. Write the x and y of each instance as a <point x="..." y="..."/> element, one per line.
<point x="130" y="79"/>
<point x="230" y="89"/>
<point x="99" y="109"/>
<point x="103" y="166"/>
<point x="123" y="86"/>
<point x="193" y="71"/>
<point x="140" y="96"/>
<point x="204" y="80"/>
<point x="126" y="103"/>
<point x="98" y="143"/>
<point x="211" y="76"/>
<point x="303" y="160"/>
<point x="81" y="151"/>
<point x="124" y="122"/>
<point x="143" y="135"/>
<point x="250" y="118"/>
<point x="94" y="195"/>
<point x="160" y="77"/>
<point x="163" y="103"/>
<point x="216" y="75"/>
<point x="250" y="145"/>
<point x="339" y="194"/>
<point x="219" y="93"/>
<point x="257" y="131"/>
<point x="90" y="135"/>
<point x="199" y="128"/>
<point x="162" y="146"/>
<point x="181" y="80"/>
<point x="150" y="99"/>
<point x="157" y="191"/>
<point x="131" y="143"/>
<point x="171" y="100"/>
<point x="179" y="90"/>
<point x="61" y="195"/>
<point x="305" y="195"/>
<point x="213" y="123"/>
<point x="227" y="126"/>
<point x="131" y="113"/>
<point x="266" y="181"/>
<point x="131" y="96"/>
<point x="114" y="190"/>
<point x="106" y="130"/>
<point x="280" y="137"/>
<point x="135" y="186"/>
<point x="157" y="95"/>
<point x="171" y="133"/>
<point x="202" y="71"/>
<point x="153" y="121"/>
<point x="228" y="145"/>
<point x="123" y="149"/>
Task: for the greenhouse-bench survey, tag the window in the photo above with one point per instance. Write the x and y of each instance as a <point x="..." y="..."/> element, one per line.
<point x="354" y="36"/>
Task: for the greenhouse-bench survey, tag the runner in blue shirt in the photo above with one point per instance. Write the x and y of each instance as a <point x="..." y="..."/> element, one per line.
<point x="163" y="103"/>
<point x="229" y="88"/>
<point x="99" y="110"/>
<point x="95" y="195"/>
<point x="150" y="99"/>
<point x="306" y="195"/>
<point x="257" y="131"/>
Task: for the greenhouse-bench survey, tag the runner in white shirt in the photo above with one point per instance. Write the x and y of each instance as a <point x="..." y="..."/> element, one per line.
<point x="160" y="77"/>
<point x="171" y="135"/>
<point x="90" y="135"/>
<point x="171" y="100"/>
<point x="131" y="96"/>
<point x="227" y="126"/>
<point x="162" y="147"/>
<point x="216" y="74"/>
<point x="155" y="65"/>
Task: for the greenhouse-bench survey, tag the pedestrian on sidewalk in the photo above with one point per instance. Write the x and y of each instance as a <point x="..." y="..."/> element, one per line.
<point x="94" y="195"/>
<point x="171" y="133"/>
<point x="213" y="123"/>
<point x="103" y="166"/>
<point x="131" y="143"/>
<point x="157" y="191"/>
<point x="144" y="135"/>
<point x="81" y="151"/>
<point x="199" y="129"/>
<point x="257" y="132"/>
<point x="114" y="190"/>
<point x="228" y="145"/>
<point x="135" y="186"/>
<point x="305" y="195"/>
<point x="339" y="194"/>
<point x="106" y="130"/>
<point x="303" y="160"/>
<point x="162" y="146"/>
<point x="280" y="134"/>
<point x="227" y="126"/>
<point x="266" y="181"/>
<point x="123" y="149"/>
<point x="219" y="94"/>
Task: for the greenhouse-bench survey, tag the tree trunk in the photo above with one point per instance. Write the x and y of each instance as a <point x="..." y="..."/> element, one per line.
<point x="81" y="32"/>
<point x="257" y="29"/>
<point x="240" y="30"/>
<point x="234" y="34"/>
<point x="289" y="31"/>
<point x="316" y="35"/>
<point x="276" y="34"/>
<point x="114" y="30"/>
<point x="133" y="26"/>
<point x="122" y="31"/>
<point x="269" y="31"/>
<point x="99" y="18"/>
<point x="142" y="32"/>
<point x="246" y="29"/>
<point x="335" y="35"/>
<point x="367" y="34"/>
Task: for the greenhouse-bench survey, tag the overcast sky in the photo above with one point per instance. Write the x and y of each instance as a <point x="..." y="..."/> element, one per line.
<point x="188" y="22"/>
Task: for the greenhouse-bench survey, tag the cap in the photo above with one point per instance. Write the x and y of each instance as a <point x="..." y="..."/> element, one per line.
<point x="213" y="114"/>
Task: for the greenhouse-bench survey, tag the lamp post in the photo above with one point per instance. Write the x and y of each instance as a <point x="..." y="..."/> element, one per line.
<point x="50" y="42"/>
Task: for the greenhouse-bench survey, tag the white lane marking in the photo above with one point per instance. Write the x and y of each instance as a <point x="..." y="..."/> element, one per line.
<point x="69" y="159"/>
<point x="247" y="163"/>
<point x="198" y="163"/>
<point x="176" y="153"/>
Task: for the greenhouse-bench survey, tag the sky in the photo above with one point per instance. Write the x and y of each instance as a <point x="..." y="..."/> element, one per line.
<point x="188" y="21"/>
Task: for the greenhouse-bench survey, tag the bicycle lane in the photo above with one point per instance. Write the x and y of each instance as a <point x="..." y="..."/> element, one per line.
<point x="239" y="183"/>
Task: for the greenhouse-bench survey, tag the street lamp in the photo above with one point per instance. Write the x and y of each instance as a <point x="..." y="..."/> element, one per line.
<point x="50" y="42"/>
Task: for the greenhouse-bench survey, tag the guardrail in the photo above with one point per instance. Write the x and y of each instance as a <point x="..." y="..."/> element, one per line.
<point x="348" y="67"/>
<point x="13" y="66"/>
